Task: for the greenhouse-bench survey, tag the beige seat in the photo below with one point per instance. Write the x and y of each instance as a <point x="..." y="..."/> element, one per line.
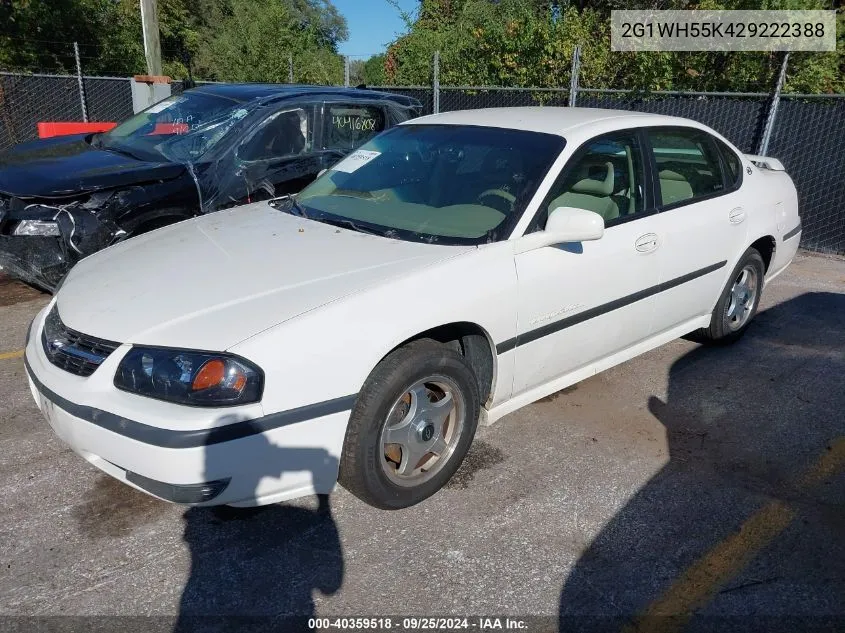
<point x="674" y="187"/>
<point x="591" y="194"/>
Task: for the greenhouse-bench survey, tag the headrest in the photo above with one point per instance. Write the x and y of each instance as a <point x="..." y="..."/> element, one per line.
<point x="596" y="187"/>
<point x="668" y="174"/>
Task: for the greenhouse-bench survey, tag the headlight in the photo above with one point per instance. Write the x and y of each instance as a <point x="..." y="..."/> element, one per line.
<point x="202" y="379"/>
<point x="45" y="228"/>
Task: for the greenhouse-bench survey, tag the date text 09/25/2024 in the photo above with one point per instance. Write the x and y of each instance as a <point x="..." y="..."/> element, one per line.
<point x="418" y="623"/>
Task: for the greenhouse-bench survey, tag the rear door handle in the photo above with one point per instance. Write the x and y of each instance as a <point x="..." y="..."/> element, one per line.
<point x="737" y="215"/>
<point x="646" y="243"/>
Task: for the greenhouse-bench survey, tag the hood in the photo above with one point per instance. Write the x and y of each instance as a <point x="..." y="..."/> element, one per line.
<point x="69" y="165"/>
<point x="211" y="282"/>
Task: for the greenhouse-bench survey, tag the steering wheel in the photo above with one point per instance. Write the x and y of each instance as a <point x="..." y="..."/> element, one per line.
<point x="508" y="197"/>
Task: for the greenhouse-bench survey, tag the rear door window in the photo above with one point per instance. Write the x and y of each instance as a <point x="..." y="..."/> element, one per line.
<point x="349" y="126"/>
<point x="688" y="165"/>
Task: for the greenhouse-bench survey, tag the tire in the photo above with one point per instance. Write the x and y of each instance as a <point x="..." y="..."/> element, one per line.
<point x="399" y="400"/>
<point x="735" y="310"/>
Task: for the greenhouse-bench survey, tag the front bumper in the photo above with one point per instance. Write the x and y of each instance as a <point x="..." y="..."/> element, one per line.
<point x="216" y="456"/>
<point x="40" y="261"/>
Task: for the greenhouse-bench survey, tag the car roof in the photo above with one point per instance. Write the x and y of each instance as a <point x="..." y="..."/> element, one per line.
<point x="550" y="120"/>
<point x="253" y="92"/>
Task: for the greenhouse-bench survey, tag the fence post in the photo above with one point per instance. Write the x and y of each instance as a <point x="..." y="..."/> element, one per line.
<point x="290" y="68"/>
<point x="436" y="83"/>
<point x="79" y="82"/>
<point x="573" y="80"/>
<point x="346" y="71"/>
<point x="773" y="108"/>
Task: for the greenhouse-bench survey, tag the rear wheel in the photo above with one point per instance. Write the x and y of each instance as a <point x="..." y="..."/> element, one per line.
<point x="739" y="300"/>
<point x="411" y="427"/>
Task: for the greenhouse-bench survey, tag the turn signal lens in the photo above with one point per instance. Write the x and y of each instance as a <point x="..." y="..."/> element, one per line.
<point x="210" y="375"/>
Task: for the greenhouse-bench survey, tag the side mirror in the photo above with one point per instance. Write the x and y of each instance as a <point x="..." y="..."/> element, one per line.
<point x="565" y="224"/>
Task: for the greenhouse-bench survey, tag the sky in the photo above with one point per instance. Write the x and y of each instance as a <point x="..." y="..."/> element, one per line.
<point x="372" y="25"/>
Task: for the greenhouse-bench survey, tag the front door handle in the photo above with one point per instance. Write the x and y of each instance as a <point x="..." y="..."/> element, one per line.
<point x="646" y="243"/>
<point x="736" y="215"/>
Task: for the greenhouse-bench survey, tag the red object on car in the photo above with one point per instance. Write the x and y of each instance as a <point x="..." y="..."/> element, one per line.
<point x="170" y="128"/>
<point x="47" y="129"/>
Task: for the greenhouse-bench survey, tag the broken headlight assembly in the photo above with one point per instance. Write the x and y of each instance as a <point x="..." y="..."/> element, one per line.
<point x="200" y="379"/>
<point x="42" y="228"/>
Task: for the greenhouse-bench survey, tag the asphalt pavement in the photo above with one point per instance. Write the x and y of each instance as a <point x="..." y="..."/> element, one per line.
<point x="693" y="488"/>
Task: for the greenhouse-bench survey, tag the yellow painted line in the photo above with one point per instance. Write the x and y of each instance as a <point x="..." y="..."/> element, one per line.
<point x="704" y="578"/>
<point x="8" y="355"/>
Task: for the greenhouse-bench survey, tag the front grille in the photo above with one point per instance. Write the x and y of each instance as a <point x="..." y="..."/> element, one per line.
<point x="73" y="351"/>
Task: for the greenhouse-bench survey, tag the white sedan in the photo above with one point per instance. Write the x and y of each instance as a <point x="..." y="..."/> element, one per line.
<point x="455" y="268"/>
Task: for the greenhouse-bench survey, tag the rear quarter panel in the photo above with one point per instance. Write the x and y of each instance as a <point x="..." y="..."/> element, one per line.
<point x="774" y="213"/>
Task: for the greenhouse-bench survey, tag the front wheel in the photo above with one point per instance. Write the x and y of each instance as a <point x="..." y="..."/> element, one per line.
<point x="739" y="300"/>
<point x="411" y="426"/>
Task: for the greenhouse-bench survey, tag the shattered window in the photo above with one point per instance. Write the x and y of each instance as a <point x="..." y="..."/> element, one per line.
<point x="281" y="134"/>
<point x="175" y="115"/>
<point x="188" y="124"/>
<point x="349" y="127"/>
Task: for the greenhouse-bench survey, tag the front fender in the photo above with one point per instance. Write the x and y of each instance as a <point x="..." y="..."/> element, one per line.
<point x="329" y="352"/>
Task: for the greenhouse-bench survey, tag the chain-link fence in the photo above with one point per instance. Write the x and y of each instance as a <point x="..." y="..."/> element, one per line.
<point x="807" y="134"/>
<point x="739" y="118"/>
<point x="809" y="137"/>
<point x="26" y="100"/>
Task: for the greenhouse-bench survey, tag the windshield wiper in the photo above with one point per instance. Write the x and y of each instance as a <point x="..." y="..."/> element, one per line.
<point x="118" y="150"/>
<point x="290" y="205"/>
<point x="350" y="224"/>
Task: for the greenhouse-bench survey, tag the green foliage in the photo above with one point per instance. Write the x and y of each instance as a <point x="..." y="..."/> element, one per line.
<point x="255" y="40"/>
<point x="374" y="73"/>
<point x="24" y="21"/>
<point x="234" y="40"/>
<point x="481" y="42"/>
<point x="530" y="42"/>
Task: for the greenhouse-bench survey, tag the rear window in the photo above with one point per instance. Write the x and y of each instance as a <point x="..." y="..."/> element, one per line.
<point x="348" y="127"/>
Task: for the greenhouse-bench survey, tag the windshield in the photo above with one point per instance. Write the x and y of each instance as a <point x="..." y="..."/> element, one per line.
<point x="180" y="128"/>
<point x="438" y="183"/>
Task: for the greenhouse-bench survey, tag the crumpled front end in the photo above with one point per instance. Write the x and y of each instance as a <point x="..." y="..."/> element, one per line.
<point x="39" y="261"/>
<point x="41" y="240"/>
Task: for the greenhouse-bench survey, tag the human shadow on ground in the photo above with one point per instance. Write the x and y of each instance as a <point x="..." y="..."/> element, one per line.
<point x="744" y="528"/>
<point x="256" y="569"/>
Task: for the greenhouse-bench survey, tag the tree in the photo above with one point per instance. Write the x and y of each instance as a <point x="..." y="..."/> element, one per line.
<point x="374" y="74"/>
<point x="39" y="35"/>
<point x="356" y="72"/>
<point x="253" y="40"/>
<point x="222" y="39"/>
<point x="529" y="43"/>
<point x="321" y="17"/>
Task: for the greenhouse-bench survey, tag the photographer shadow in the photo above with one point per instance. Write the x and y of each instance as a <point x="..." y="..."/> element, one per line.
<point x="743" y="528"/>
<point x="256" y="569"/>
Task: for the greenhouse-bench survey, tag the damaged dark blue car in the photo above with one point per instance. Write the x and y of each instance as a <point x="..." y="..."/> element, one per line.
<point x="209" y="148"/>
